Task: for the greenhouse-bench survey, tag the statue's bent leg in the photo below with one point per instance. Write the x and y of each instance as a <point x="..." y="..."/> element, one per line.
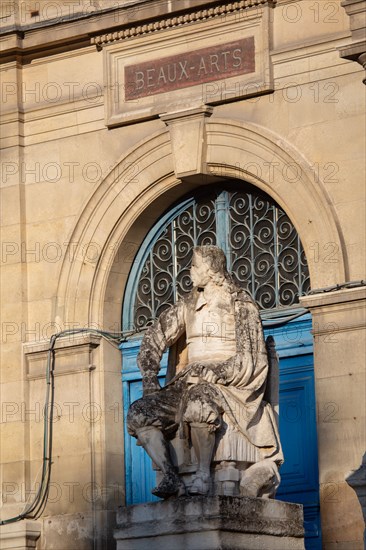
<point x="158" y="410"/>
<point x="147" y="420"/>
<point x="155" y="444"/>
<point x="203" y="414"/>
<point x="203" y="441"/>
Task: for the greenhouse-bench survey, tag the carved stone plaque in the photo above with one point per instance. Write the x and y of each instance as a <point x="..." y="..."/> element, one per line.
<point x="184" y="70"/>
<point x="212" y="61"/>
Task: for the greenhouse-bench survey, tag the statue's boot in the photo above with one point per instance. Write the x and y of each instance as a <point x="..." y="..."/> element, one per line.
<point x="154" y="443"/>
<point x="201" y="484"/>
<point x="203" y="441"/>
<point x="170" y="485"/>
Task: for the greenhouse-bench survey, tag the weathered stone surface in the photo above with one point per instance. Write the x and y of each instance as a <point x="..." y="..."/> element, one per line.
<point x="210" y="523"/>
<point x="219" y="392"/>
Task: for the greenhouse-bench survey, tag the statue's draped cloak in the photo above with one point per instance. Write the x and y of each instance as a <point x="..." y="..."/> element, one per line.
<point x="243" y="376"/>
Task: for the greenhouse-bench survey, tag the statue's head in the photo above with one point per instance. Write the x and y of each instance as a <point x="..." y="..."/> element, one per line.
<point x="208" y="264"/>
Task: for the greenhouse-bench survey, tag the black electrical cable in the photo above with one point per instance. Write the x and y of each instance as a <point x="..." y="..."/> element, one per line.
<point x="37" y="508"/>
<point x="339" y="286"/>
<point x="271" y="323"/>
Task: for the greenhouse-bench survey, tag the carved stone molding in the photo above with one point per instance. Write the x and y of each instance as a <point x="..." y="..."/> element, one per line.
<point x="177" y="21"/>
<point x="356" y="49"/>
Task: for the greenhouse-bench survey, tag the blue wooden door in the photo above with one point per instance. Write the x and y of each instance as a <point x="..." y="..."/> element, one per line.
<point x="299" y="473"/>
<point x="139" y="474"/>
<point x="297" y="425"/>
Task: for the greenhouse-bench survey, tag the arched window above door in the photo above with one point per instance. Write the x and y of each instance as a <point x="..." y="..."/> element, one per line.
<point x="262" y="247"/>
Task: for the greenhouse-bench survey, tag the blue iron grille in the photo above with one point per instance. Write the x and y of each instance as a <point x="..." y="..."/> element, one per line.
<point x="262" y="247"/>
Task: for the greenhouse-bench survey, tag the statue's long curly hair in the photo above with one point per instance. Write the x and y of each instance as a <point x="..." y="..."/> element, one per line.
<point x="216" y="260"/>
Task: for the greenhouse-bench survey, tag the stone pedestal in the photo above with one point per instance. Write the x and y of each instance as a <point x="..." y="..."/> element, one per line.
<point x="22" y="535"/>
<point x="211" y="523"/>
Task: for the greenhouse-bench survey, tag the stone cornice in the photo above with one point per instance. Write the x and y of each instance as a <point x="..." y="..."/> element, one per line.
<point x="74" y="350"/>
<point x="33" y="41"/>
<point x="73" y="341"/>
<point x="356" y="49"/>
<point x="335" y="298"/>
<point x="170" y="22"/>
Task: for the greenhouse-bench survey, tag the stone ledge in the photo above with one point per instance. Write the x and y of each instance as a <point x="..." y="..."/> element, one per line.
<point x="71" y="341"/>
<point x="213" y="540"/>
<point x="336" y="297"/>
<point x="22" y="535"/>
<point x="73" y="354"/>
<point x="246" y="522"/>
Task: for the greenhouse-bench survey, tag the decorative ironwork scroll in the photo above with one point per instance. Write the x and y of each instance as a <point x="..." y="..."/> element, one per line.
<point x="263" y="251"/>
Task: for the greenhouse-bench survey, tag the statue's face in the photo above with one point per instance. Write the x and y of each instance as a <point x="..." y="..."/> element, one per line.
<point x="200" y="271"/>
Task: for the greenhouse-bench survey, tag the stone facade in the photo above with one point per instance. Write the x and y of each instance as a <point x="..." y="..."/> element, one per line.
<point x="84" y="177"/>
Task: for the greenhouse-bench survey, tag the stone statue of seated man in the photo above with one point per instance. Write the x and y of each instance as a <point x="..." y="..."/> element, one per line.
<point x="220" y="389"/>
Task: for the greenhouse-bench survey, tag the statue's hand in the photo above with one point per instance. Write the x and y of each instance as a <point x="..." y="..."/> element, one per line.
<point x="195" y="369"/>
<point x="150" y="384"/>
<point x="204" y="373"/>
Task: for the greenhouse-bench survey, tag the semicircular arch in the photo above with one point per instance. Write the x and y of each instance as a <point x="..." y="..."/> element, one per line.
<point x="125" y="204"/>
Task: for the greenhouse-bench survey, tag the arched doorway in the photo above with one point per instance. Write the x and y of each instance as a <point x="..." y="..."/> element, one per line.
<point x="121" y="209"/>
<point x="265" y="255"/>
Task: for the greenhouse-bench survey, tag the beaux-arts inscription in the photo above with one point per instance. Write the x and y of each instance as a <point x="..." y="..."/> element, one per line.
<point x="184" y="70"/>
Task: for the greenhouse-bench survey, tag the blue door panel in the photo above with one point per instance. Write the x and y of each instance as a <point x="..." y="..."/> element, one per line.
<point x="297" y="416"/>
<point x="297" y="434"/>
<point x="141" y="466"/>
<point x="139" y="473"/>
<point x="299" y="473"/>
